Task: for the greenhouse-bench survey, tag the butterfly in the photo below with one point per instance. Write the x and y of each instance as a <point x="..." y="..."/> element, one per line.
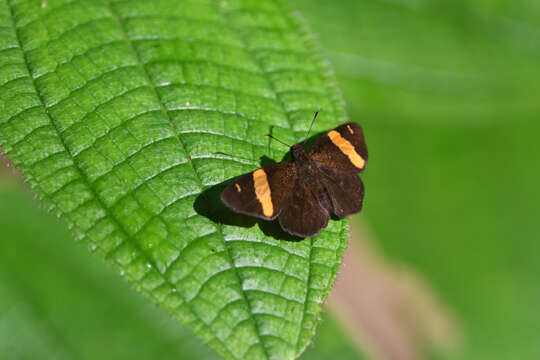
<point x="303" y="192"/>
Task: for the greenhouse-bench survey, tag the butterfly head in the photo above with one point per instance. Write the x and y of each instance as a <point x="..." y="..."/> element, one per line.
<point x="298" y="152"/>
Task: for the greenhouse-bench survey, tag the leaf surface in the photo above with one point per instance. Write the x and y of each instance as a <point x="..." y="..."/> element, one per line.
<point x="125" y="115"/>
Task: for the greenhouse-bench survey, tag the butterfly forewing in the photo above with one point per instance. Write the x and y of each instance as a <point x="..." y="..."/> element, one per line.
<point x="261" y="193"/>
<point x="342" y="148"/>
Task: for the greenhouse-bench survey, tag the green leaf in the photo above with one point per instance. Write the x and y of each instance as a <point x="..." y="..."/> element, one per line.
<point x="121" y="113"/>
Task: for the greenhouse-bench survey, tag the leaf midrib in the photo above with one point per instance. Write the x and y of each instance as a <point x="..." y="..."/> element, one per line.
<point x="141" y="64"/>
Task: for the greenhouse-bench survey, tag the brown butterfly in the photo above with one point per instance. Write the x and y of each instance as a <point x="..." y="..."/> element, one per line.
<point x="302" y="193"/>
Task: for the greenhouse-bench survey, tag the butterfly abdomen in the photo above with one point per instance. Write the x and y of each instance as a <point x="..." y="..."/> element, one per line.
<point x="308" y="172"/>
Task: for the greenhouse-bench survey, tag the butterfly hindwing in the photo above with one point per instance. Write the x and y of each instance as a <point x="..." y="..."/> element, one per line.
<point x="345" y="190"/>
<point x="261" y="193"/>
<point x="302" y="214"/>
<point x="342" y="148"/>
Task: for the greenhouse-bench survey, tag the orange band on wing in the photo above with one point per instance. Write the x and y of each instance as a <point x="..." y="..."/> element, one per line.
<point x="347" y="148"/>
<point x="262" y="191"/>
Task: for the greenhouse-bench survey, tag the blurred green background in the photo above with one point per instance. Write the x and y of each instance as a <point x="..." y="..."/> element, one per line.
<point x="448" y="95"/>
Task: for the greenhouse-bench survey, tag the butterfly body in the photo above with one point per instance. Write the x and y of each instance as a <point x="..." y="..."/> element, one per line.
<point x="309" y="172"/>
<point x="304" y="192"/>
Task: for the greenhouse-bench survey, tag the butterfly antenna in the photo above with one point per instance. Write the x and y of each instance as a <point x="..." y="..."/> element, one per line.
<point x="270" y="136"/>
<point x="310" y="126"/>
